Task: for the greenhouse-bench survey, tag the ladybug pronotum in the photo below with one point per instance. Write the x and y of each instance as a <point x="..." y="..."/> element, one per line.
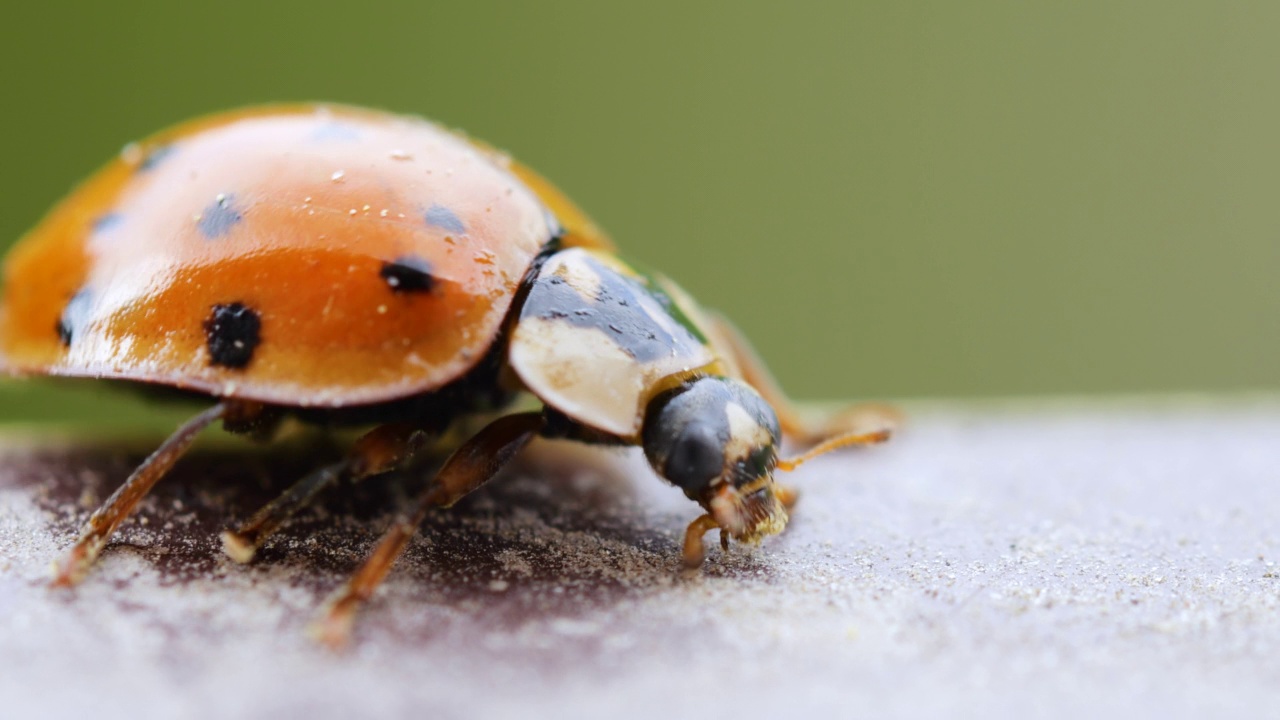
<point x="349" y="266"/>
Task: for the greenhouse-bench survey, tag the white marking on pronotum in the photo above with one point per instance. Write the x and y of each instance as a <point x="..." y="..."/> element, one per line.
<point x="745" y="434"/>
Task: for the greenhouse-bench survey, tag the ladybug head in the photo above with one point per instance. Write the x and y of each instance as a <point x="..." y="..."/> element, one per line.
<point x="716" y="439"/>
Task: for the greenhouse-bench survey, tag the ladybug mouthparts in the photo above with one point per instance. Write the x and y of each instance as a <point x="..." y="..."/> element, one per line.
<point x="751" y="513"/>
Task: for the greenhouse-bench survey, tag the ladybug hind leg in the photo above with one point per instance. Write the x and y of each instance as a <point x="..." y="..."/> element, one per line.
<point x="469" y="467"/>
<point x="73" y="566"/>
<point x="381" y="450"/>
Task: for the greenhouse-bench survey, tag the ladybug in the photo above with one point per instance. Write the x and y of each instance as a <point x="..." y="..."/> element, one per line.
<point x="347" y="266"/>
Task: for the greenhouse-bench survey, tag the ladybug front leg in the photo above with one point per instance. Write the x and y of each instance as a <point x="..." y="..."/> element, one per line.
<point x="469" y="467"/>
<point x="380" y="450"/>
<point x="694" y="548"/>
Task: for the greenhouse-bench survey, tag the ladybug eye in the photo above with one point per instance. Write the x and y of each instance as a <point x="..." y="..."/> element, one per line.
<point x="708" y="429"/>
<point x="685" y="434"/>
<point x="695" y="459"/>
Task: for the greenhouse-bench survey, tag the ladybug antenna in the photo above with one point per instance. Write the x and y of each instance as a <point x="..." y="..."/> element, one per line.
<point x="835" y="443"/>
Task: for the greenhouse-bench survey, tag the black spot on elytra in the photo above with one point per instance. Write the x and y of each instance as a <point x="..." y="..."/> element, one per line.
<point x="73" y="316"/>
<point x="335" y="131"/>
<point x="218" y="219"/>
<point x="154" y="157"/>
<point x="106" y="222"/>
<point x="233" y="332"/>
<point x="617" y="311"/>
<point x="444" y="218"/>
<point x="408" y="274"/>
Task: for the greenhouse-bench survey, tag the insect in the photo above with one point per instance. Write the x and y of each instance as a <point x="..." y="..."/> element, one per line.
<point x="348" y="266"/>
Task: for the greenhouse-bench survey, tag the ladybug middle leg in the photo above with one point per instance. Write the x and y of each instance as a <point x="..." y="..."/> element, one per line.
<point x="469" y="467"/>
<point x="382" y="449"/>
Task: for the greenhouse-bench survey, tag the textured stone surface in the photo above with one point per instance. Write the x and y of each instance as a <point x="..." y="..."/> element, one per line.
<point x="1091" y="560"/>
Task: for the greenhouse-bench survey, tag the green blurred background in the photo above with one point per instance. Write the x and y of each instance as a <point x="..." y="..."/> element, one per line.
<point x="893" y="199"/>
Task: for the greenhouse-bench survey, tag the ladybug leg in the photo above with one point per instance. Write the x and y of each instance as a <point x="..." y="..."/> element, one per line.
<point x="93" y="537"/>
<point x="694" y="548"/>
<point x="786" y="495"/>
<point x="380" y="450"/>
<point x="469" y="467"/>
<point x="864" y="417"/>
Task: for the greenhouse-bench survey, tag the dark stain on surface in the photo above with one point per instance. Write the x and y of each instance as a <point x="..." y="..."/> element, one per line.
<point x="554" y="535"/>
